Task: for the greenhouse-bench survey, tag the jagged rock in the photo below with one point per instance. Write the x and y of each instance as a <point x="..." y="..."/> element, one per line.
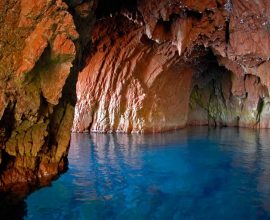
<point x="131" y="84"/>
<point x="237" y="36"/>
<point x="39" y="46"/>
<point x="149" y="66"/>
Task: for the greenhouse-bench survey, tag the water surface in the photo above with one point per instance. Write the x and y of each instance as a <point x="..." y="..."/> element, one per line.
<point x="194" y="173"/>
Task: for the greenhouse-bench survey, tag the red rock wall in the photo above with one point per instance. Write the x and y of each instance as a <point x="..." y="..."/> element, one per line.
<point x="130" y="83"/>
<point x="39" y="45"/>
<point x="153" y="65"/>
<point x="127" y="85"/>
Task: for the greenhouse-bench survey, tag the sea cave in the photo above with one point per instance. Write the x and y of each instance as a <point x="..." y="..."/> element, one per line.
<point x="134" y="109"/>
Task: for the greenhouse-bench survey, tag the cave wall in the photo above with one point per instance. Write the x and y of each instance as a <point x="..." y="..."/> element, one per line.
<point x="131" y="83"/>
<point x="218" y="54"/>
<point x="148" y="66"/>
<point x="220" y="98"/>
<point x="40" y="49"/>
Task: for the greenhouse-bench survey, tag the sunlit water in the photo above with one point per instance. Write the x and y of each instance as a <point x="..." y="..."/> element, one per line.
<point x="189" y="174"/>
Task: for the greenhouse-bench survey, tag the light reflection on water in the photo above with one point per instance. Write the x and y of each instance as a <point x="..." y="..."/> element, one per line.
<point x="194" y="173"/>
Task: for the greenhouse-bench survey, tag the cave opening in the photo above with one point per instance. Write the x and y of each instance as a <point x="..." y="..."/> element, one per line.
<point x="211" y="95"/>
<point x="145" y="82"/>
<point x="135" y="66"/>
<point x="160" y="88"/>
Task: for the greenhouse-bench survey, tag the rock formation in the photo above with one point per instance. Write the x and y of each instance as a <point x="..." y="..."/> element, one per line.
<point x="147" y="66"/>
<point x="132" y="84"/>
<point x="167" y="64"/>
<point x="39" y="53"/>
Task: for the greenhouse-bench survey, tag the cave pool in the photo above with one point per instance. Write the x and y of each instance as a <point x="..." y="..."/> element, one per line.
<point x="194" y="173"/>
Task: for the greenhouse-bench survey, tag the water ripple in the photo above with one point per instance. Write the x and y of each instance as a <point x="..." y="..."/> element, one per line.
<point x="195" y="173"/>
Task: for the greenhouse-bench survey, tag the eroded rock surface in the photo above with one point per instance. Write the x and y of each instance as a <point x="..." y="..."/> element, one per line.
<point x="132" y="84"/>
<point x="141" y="72"/>
<point x="148" y="66"/>
<point x="39" y="47"/>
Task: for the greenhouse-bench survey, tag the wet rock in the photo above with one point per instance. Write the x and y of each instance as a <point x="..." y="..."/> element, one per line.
<point x="148" y="66"/>
<point x="236" y="33"/>
<point x="39" y="48"/>
<point x="130" y="84"/>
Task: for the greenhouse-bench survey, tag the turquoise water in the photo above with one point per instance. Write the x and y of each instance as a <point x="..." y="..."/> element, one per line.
<point x="194" y="173"/>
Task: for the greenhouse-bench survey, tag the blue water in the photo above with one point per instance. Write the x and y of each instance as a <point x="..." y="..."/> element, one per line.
<point x="194" y="173"/>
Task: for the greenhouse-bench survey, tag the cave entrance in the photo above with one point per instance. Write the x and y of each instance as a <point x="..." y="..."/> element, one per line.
<point x="221" y="98"/>
<point x="211" y="99"/>
<point x="137" y="82"/>
<point x="134" y="84"/>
